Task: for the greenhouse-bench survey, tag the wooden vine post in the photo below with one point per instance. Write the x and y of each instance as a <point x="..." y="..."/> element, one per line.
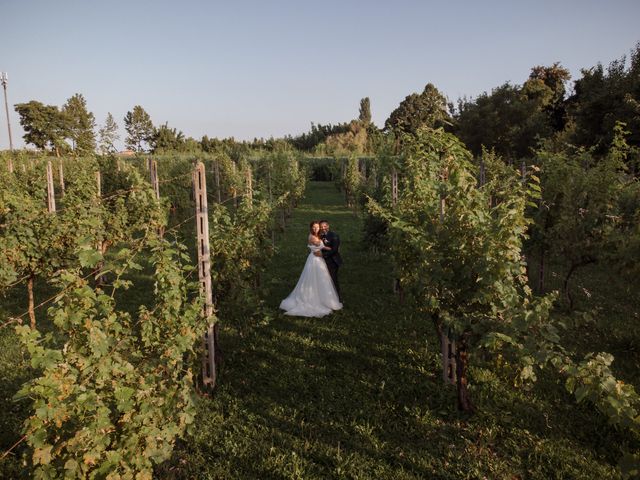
<point x="51" y="208"/>
<point x="249" y="185"/>
<point x="234" y="190"/>
<point x="482" y="180"/>
<point x="216" y="177"/>
<point x="273" y="229"/>
<point x="51" y="198"/>
<point x="209" y="367"/>
<point x="99" y="183"/>
<point x="395" y="286"/>
<point x="523" y="179"/>
<point x="541" y="259"/>
<point x="10" y="164"/>
<point x="101" y="245"/>
<point x="343" y="177"/>
<point x="155" y="184"/>
<point x="448" y="346"/>
<point x="269" y="182"/>
<point x="374" y="174"/>
<point x="394" y="186"/>
<point x="61" y="175"/>
<point x="153" y="178"/>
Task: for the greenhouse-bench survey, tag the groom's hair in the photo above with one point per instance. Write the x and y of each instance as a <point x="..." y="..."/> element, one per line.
<point x="324" y="221"/>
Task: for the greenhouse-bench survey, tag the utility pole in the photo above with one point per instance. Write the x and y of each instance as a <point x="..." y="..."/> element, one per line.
<point x="4" y="78"/>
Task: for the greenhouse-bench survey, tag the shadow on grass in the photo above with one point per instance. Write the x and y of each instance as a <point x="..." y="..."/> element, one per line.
<point x="358" y="394"/>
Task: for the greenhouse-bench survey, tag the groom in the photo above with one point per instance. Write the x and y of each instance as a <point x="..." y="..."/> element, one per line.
<point x="332" y="257"/>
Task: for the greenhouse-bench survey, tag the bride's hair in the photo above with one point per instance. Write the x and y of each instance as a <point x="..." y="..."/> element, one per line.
<point x="315" y="222"/>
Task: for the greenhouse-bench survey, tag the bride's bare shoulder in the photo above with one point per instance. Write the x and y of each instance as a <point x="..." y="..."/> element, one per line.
<point x="313" y="240"/>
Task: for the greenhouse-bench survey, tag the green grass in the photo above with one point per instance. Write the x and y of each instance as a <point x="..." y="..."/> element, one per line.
<point x="358" y="394"/>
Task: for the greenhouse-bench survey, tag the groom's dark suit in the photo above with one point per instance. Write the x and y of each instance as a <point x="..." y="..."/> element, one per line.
<point x="332" y="257"/>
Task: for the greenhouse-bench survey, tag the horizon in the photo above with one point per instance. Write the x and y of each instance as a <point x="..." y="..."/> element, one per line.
<point x="219" y="71"/>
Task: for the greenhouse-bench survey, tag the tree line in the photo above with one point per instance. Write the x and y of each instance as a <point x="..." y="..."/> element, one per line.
<point x="512" y="120"/>
<point x="71" y="129"/>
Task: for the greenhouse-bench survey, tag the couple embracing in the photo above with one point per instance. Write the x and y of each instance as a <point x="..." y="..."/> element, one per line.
<point x="318" y="292"/>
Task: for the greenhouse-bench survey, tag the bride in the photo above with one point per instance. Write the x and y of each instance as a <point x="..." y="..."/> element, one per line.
<point x="314" y="295"/>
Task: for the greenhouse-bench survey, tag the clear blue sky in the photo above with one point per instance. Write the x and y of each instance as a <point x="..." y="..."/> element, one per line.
<point x="259" y="69"/>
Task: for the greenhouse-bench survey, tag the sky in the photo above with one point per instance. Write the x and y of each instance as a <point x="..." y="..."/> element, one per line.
<point x="263" y="69"/>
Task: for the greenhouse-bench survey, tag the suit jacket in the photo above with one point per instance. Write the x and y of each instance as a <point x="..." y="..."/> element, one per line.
<point x="332" y="240"/>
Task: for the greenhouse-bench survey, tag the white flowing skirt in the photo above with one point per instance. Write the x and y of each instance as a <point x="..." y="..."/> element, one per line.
<point x="314" y="295"/>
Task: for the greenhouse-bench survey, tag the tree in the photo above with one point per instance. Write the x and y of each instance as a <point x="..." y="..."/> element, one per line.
<point x="80" y="125"/>
<point x="353" y="140"/>
<point x="365" y="111"/>
<point x="428" y="108"/>
<point x="506" y="120"/>
<point x="44" y="125"/>
<point x="139" y="128"/>
<point x="491" y="120"/>
<point x="604" y="97"/>
<point x="318" y="134"/>
<point x="512" y="119"/>
<point x="108" y="135"/>
<point x="191" y="145"/>
<point x="554" y="79"/>
<point x="166" y="139"/>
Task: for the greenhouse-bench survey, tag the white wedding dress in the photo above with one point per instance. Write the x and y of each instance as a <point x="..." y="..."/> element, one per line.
<point x="314" y="295"/>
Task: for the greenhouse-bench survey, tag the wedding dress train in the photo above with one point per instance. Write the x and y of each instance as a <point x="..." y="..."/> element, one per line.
<point x="314" y="295"/>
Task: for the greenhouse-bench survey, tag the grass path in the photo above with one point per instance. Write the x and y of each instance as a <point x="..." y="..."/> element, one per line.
<point x="357" y="394"/>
